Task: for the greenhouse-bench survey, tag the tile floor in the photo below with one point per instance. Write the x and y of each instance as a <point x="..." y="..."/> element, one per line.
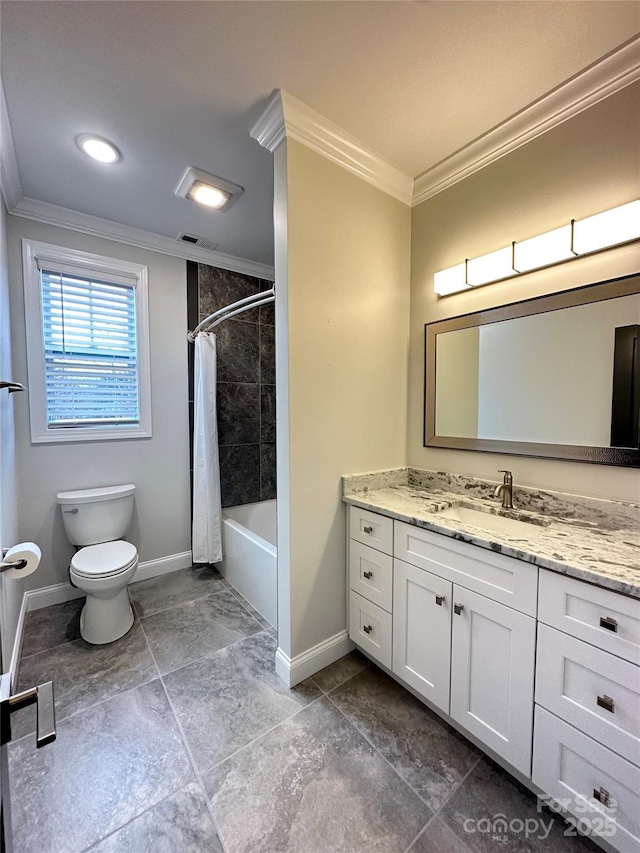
<point x="180" y="738"/>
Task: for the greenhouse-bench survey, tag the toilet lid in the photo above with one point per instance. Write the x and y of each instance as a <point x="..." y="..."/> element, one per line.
<point x="108" y="558"/>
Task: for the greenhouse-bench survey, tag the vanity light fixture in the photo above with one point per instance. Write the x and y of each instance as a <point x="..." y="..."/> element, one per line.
<point x="580" y="237"/>
<point x="98" y="148"/>
<point x="208" y="190"/>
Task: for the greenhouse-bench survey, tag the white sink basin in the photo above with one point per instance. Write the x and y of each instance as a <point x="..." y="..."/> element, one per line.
<point x="487" y="521"/>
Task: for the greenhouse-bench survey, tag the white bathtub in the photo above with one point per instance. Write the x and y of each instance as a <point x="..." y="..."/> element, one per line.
<point x="250" y="556"/>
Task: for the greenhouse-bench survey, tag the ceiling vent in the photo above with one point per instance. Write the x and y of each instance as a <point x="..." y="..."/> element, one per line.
<point x="200" y="242"/>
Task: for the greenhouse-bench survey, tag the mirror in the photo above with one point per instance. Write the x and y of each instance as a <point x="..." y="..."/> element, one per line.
<point x="557" y="377"/>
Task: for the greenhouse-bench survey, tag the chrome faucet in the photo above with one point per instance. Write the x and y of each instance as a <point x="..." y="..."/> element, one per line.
<point x="506" y="490"/>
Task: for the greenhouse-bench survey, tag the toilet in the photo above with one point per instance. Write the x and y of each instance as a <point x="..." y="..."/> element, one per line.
<point x="95" y="520"/>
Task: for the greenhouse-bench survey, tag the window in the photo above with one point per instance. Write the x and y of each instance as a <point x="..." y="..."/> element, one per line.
<point x="87" y="345"/>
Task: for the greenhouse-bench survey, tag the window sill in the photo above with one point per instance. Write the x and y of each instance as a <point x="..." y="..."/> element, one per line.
<point x="74" y="435"/>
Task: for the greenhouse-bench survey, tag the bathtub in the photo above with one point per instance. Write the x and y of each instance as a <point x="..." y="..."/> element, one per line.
<point x="250" y="556"/>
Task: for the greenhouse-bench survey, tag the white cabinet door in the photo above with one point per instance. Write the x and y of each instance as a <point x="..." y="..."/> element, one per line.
<point x="492" y="675"/>
<point x="422" y="632"/>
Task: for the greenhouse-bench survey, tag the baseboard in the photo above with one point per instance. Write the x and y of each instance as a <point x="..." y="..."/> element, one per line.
<point x="17" y="644"/>
<point x="57" y="593"/>
<point x="294" y="670"/>
<point x="162" y="566"/>
<point x="61" y="592"/>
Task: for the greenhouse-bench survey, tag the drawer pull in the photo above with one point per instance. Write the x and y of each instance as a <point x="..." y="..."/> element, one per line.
<point x="367" y="528"/>
<point x="607" y="703"/>
<point x="367" y="629"/>
<point x="602" y="796"/>
<point x="367" y="575"/>
<point x="609" y="623"/>
<point x="439" y="600"/>
<point x="458" y="608"/>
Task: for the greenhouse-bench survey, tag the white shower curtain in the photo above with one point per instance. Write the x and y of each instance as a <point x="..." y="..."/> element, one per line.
<point x="207" y="509"/>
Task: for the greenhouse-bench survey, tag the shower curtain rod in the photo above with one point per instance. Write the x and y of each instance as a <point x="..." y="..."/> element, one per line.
<point x="254" y="301"/>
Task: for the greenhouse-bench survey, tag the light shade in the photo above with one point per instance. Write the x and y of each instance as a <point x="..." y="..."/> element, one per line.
<point x="451" y="280"/>
<point x="615" y="226"/>
<point x="207" y="195"/>
<point x="491" y="267"/>
<point x="98" y="148"/>
<point x="209" y="190"/>
<point x="543" y="250"/>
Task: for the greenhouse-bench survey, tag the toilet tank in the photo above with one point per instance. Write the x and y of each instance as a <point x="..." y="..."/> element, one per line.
<point x="92" y="516"/>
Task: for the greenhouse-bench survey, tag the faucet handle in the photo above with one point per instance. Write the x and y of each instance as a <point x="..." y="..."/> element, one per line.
<point x="508" y="476"/>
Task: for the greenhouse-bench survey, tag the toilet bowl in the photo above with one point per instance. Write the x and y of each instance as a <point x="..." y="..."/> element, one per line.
<point x="96" y="519"/>
<point x="102" y="572"/>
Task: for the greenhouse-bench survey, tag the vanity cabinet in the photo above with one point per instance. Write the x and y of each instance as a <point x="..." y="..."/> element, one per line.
<point x="452" y="621"/>
<point x="541" y="668"/>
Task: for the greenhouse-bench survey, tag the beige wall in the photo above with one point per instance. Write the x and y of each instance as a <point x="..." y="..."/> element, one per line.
<point x="158" y="466"/>
<point x="347" y="282"/>
<point x="588" y="164"/>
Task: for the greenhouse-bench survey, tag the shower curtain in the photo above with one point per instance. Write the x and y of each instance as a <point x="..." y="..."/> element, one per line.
<point x="207" y="509"/>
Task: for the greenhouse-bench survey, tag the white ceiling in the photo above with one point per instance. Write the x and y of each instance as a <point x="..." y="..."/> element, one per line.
<point x="177" y="84"/>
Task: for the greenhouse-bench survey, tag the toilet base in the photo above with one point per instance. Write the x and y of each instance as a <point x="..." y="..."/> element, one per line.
<point x="105" y="620"/>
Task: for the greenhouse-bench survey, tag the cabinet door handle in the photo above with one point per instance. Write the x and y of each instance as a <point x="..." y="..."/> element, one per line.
<point x="367" y="575"/>
<point x="607" y="703"/>
<point x="367" y="629"/>
<point x="367" y="528"/>
<point x="458" y="608"/>
<point x="609" y="623"/>
<point x="439" y="600"/>
<point x="601" y="795"/>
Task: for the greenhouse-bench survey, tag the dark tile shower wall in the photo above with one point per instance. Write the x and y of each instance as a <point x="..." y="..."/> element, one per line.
<point x="246" y="392"/>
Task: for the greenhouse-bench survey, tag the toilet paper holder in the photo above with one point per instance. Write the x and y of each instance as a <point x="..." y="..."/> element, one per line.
<point x="13" y="564"/>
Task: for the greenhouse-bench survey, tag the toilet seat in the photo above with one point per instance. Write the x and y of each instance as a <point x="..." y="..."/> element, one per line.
<point x="104" y="560"/>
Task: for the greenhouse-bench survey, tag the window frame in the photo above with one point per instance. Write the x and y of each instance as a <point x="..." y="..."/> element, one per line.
<point x="88" y="265"/>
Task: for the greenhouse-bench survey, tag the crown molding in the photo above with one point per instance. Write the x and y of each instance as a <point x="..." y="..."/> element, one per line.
<point x="9" y="175"/>
<point x="603" y="78"/>
<point x="52" y="214"/>
<point x="287" y="116"/>
<point x="269" y="130"/>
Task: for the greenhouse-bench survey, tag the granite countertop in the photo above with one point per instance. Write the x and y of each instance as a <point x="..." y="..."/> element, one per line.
<point x="587" y="538"/>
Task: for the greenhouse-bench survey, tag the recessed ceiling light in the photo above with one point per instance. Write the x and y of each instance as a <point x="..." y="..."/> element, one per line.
<point x="98" y="148"/>
<point x="208" y="190"/>
<point x="207" y="195"/>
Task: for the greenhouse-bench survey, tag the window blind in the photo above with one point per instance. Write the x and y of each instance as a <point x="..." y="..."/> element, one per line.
<point x="90" y="351"/>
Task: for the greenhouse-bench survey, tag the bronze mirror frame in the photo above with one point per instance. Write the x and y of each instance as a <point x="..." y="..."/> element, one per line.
<point x="624" y="456"/>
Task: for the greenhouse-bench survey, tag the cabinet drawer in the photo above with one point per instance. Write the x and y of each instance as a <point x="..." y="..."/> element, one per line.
<point x="572" y="676"/>
<point x="371" y="529"/>
<point x="572" y="768"/>
<point x="371" y="574"/>
<point x="376" y="639"/>
<point x="598" y="616"/>
<point x="504" y="579"/>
